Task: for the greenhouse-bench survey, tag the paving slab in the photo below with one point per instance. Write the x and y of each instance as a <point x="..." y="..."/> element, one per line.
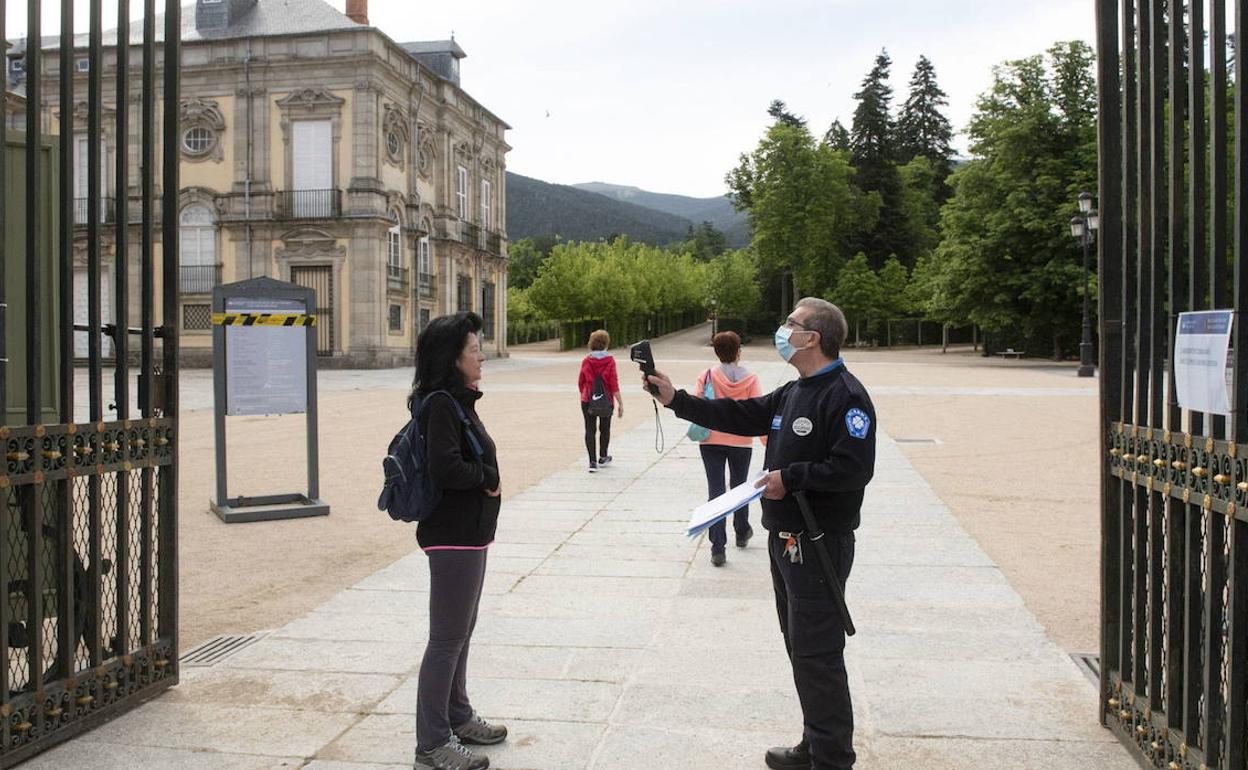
<point x="607" y="641"/>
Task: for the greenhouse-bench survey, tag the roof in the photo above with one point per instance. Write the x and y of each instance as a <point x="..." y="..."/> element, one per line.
<point x="434" y="46"/>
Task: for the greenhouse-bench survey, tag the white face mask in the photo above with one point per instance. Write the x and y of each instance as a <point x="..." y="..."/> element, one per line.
<point x="783" y="346"/>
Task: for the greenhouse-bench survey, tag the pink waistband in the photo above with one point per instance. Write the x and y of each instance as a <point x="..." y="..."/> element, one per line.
<point x="458" y="547"/>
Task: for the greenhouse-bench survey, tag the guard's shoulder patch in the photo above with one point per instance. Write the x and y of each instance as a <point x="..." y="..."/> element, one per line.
<point x="857" y="423"/>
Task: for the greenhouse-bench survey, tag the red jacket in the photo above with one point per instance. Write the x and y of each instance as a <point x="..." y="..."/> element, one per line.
<point x="590" y="367"/>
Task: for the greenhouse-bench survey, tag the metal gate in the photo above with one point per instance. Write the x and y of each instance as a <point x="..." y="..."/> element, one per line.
<point x="1174" y="237"/>
<point x="320" y="279"/>
<point x="88" y="525"/>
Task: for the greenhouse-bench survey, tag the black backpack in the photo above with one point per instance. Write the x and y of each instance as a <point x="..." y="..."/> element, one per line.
<point x="599" y="399"/>
<point x="409" y="492"/>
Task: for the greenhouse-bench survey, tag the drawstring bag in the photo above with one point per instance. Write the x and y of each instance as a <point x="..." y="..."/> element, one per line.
<point x="697" y="432"/>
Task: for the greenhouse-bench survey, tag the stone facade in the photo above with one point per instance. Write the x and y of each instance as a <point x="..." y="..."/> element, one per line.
<point x="405" y="221"/>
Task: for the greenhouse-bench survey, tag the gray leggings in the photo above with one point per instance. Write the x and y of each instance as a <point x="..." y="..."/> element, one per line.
<point x="455" y="580"/>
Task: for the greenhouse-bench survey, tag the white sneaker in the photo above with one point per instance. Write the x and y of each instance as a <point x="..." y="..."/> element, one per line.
<point x="593" y="468"/>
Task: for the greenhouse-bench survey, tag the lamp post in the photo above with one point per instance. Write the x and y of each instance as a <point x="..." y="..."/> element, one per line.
<point x="1084" y="228"/>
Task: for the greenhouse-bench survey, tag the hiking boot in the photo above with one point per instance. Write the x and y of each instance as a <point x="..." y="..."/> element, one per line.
<point x="789" y="757"/>
<point x="718" y="558"/>
<point x="478" y="732"/>
<point x="451" y="755"/>
<point x="743" y="538"/>
<point x="604" y="460"/>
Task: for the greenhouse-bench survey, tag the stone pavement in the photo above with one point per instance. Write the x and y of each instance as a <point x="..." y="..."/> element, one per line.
<point x="607" y="641"/>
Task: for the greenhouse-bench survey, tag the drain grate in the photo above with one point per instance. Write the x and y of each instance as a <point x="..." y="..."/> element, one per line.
<point x="219" y="648"/>
<point x="917" y="440"/>
<point x="1090" y="664"/>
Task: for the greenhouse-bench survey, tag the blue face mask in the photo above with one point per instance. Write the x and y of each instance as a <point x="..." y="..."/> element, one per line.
<point x="783" y="346"/>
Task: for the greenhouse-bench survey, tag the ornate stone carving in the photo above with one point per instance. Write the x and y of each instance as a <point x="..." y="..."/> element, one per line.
<point x="427" y="154"/>
<point x="310" y="243"/>
<point x="395" y="133"/>
<point x="310" y="100"/>
<point x="200" y="125"/>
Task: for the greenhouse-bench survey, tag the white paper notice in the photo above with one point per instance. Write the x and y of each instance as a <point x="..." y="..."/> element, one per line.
<point x="1200" y="361"/>
<point x="266" y="367"/>
<point x="712" y="511"/>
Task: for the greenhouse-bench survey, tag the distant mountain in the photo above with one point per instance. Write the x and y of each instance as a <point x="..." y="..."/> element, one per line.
<point x="535" y="207"/>
<point x="718" y="211"/>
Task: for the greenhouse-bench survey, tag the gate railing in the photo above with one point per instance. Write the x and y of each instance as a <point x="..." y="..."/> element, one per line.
<point x="88" y="502"/>
<point x="1174" y="599"/>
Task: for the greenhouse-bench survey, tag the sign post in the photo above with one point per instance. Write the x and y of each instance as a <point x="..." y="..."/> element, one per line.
<point x="264" y="363"/>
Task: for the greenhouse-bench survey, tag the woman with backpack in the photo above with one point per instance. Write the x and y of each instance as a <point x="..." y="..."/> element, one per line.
<point x="600" y="387"/>
<point x="455" y="536"/>
<point x="728" y="380"/>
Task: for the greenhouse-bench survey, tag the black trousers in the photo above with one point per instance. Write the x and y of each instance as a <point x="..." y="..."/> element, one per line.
<point x="737" y="458"/>
<point x="603" y="424"/>
<point x="814" y="637"/>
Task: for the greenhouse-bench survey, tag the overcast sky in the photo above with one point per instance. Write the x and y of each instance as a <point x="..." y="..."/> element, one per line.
<point x="666" y="94"/>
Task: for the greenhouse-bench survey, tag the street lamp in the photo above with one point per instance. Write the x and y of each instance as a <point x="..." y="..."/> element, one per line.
<point x="1084" y="228"/>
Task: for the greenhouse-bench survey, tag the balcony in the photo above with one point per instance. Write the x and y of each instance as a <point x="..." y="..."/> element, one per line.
<point x="309" y="204"/>
<point x="470" y="234"/>
<point x="108" y="211"/>
<point x="198" y="279"/>
<point x="396" y="278"/>
<point x="427" y="287"/>
<point x="494" y="243"/>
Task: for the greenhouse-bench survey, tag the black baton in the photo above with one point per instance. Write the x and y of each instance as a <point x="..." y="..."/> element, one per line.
<point x="815" y="535"/>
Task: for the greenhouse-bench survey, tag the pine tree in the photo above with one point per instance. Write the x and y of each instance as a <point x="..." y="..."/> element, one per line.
<point x="922" y="129"/>
<point x="873" y="149"/>
<point x="780" y="111"/>
<point x="872" y="138"/>
<point x="837" y="136"/>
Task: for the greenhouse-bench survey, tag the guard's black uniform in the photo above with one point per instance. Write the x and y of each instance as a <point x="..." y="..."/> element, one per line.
<point x="821" y="437"/>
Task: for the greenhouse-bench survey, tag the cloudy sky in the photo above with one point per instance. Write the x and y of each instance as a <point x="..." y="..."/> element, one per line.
<point x="666" y="94"/>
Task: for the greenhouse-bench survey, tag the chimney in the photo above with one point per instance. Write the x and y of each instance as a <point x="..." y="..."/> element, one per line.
<point x="357" y="11"/>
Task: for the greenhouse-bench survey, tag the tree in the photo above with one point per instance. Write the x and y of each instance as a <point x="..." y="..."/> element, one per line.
<point x="525" y="258"/>
<point x="923" y="130"/>
<point x="1007" y="261"/>
<point x="872" y="144"/>
<point x="705" y="242"/>
<point x="857" y="292"/>
<point x="780" y="112"/>
<point x="894" y="301"/>
<point x="732" y="282"/>
<point x="837" y="137"/>
<point x="801" y="206"/>
<point x="919" y="205"/>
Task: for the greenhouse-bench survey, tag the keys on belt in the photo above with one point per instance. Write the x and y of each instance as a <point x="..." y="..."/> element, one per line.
<point x="792" y="546"/>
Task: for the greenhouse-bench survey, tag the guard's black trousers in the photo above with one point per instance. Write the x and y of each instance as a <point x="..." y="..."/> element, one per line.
<point x="814" y="637"/>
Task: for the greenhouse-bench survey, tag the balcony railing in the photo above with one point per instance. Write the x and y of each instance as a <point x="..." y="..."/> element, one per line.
<point x="309" y="204"/>
<point x="108" y="211"/>
<point x="428" y="288"/>
<point x="396" y="278"/>
<point x="470" y="234"/>
<point x="199" y="279"/>
<point x="494" y="243"/>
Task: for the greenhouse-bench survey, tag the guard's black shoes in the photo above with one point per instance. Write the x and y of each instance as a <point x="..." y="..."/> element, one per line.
<point x="743" y="538"/>
<point x="789" y="757"/>
<point x="718" y="558"/>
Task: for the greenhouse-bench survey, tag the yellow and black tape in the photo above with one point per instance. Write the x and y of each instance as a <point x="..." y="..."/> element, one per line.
<point x="263" y="319"/>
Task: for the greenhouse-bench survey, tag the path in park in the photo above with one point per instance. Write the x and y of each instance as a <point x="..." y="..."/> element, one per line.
<point x="607" y="641"/>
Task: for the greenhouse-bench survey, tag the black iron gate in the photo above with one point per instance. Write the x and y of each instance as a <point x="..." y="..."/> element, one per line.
<point x="88" y="525"/>
<point x="1174" y="237"/>
<point x="320" y="279"/>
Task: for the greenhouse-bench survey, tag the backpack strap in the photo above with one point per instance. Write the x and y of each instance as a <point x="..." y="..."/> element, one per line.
<point x="471" y="432"/>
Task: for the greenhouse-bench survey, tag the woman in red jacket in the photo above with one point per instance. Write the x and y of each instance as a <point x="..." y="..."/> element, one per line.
<point x="599" y="367"/>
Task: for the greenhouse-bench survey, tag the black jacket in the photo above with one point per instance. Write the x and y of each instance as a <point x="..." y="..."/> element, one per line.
<point x="466" y="516"/>
<point x="820" y="436"/>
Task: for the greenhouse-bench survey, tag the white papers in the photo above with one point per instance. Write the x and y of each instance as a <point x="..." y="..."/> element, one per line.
<point x="712" y="511"/>
<point x="266" y="367"/>
<point x="1200" y="361"/>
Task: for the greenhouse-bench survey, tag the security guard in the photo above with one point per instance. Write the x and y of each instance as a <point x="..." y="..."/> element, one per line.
<point x="821" y="440"/>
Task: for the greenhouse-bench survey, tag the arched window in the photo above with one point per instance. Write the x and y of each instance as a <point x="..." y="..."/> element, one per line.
<point x="198" y="241"/>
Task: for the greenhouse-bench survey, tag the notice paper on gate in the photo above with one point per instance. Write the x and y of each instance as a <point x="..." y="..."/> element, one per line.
<point x="1200" y="349"/>
<point x="717" y="508"/>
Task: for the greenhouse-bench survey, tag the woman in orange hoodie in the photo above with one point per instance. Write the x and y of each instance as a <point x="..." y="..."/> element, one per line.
<point x="728" y="380"/>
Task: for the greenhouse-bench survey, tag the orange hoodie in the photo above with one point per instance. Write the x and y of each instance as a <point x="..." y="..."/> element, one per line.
<point x="746" y="387"/>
